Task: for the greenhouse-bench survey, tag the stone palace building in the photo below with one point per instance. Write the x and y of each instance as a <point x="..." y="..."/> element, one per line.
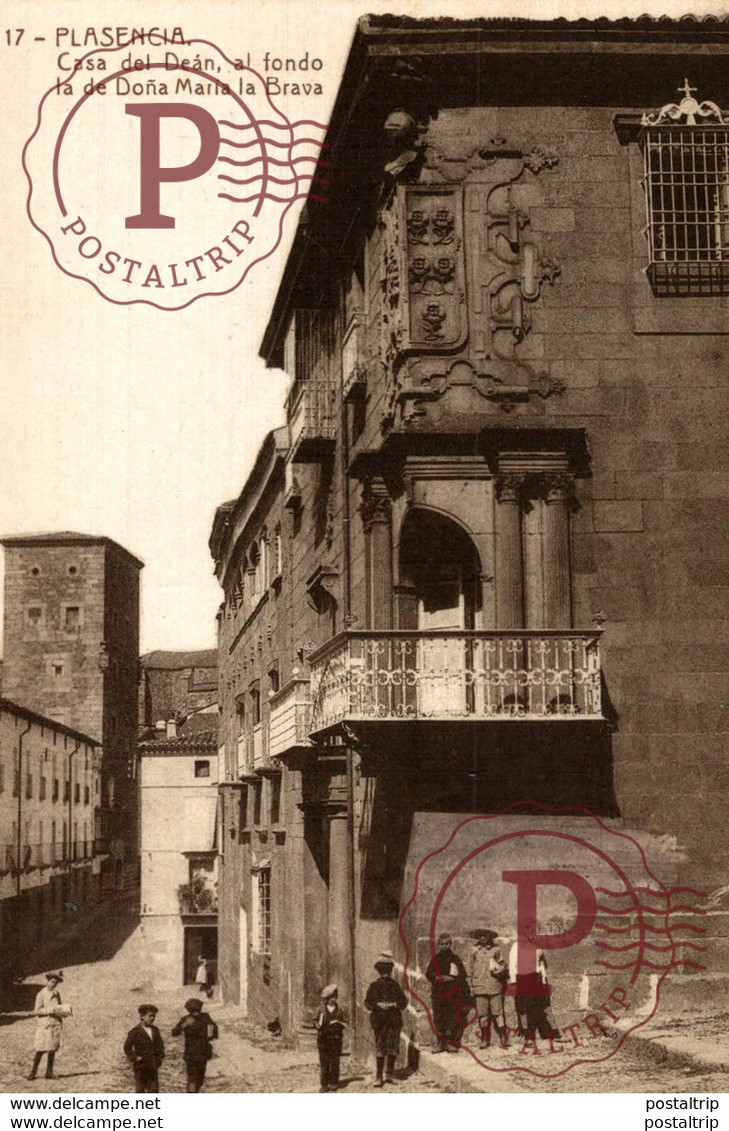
<point x="483" y="561"/>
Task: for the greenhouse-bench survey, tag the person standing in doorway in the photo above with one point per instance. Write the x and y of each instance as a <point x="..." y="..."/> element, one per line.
<point x="385" y="1001"/>
<point x="48" y="1029"/>
<point x="202" y="977"/>
<point x="330" y="1023"/>
<point x="198" y="1029"/>
<point x="145" y="1051"/>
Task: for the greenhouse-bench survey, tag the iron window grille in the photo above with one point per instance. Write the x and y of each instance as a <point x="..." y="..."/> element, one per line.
<point x="686" y="182"/>
<point x="264" y="910"/>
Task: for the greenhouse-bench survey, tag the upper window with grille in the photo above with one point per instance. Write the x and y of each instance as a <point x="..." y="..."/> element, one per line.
<point x="686" y="179"/>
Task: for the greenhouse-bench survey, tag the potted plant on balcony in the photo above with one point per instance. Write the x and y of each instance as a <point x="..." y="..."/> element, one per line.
<point x="197" y="897"/>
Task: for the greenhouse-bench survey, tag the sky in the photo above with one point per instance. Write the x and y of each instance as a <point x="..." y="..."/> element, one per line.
<point x="137" y="423"/>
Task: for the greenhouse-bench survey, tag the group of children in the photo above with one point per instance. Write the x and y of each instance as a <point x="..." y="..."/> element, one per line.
<point x="385" y="1001"/>
<point x="482" y="985"/>
<point x="145" y="1050"/>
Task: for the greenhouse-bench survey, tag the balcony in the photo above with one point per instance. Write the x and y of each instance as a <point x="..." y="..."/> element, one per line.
<point x="312" y="422"/>
<point x="199" y="897"/>
<point x="32" y="857"/>
<point x="290" y="716"/>
<point x="454" y="675"/>
<point x="258" y="748"/>
<point x="242" y="761"/>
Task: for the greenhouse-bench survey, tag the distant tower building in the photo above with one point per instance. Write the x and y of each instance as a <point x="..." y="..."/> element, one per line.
<point x="71" y="644"/>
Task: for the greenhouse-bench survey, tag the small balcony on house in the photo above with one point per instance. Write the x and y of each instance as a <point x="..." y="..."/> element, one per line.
<point x="452" y="675"/>
<point x="311" y="420"/>
<point x="198" y="897"/>
<point x="290" y="717"/>
<point x="259" y="753"/>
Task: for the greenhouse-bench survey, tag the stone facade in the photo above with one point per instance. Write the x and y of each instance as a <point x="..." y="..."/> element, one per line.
<point x="50" y="815"/>
<point x="71" y="650"/>
<point x="504" y="456"/>
<point x="176" y="684"/>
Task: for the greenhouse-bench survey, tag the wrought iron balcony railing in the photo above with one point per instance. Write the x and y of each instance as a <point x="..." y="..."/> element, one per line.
<point x="289" y="719"/>
<point x="449" y="675"/>
<point x="312" y="420"/>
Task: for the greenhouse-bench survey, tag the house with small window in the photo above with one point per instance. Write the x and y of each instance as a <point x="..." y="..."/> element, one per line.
<point x="499" y="486"/>
<point x="179" y="839"/>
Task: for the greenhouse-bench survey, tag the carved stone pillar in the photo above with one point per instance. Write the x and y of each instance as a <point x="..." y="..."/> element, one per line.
<point x="338" y="970"/>
<point x="509" y="552"/>
<point x="376" y="511"/>
<point x="558" y="495"/>
<point x="314" y="942"/>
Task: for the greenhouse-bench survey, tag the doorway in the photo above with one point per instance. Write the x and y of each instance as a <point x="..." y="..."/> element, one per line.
<point x="200" y="942"/>
<point x="441" y="571"/>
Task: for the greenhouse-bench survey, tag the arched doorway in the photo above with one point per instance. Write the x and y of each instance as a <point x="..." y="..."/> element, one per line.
<point x="440" y="596"/>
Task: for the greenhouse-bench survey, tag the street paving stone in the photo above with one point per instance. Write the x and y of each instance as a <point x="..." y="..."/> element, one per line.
<point x="106" y="978"/>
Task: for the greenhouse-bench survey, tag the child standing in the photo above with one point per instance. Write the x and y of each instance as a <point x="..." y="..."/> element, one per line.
<point x="385" y="1000"/>
<point x="144" y="1050"/>
<point x="330" y="1022"/>
<point x="48" y="1030"/>
<point x="488" y="973"/>
<point x="199" y="1030"/>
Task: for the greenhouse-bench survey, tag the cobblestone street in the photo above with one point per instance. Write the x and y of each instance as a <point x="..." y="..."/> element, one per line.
<point x="105" y="993"/>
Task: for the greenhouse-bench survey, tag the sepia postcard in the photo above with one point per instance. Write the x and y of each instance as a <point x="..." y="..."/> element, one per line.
<point x="363" y="505"/>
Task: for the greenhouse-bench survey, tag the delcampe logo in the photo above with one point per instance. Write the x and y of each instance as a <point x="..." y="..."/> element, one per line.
<point x="160" y="178"/>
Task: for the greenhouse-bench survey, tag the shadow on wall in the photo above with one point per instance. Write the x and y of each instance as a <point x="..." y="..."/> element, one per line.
<point x="469" y="770"/>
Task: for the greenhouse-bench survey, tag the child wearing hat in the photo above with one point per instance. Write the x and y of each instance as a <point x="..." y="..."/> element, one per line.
<point x="198" y="1029"/>
<point x="330" y="1022"/>
<point x="487" y="974"/>
<point x="48" y="1029"/>
<point x="385" y="1000"/>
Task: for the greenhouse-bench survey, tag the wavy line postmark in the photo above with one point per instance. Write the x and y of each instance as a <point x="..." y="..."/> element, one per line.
<point x="537" y="940"/>
<point x="160" y="178"/>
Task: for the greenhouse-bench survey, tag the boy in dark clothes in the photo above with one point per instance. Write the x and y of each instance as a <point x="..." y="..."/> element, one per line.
<point x="330" y="1023"/>
<point x="449" y="985"/>
<point x="144" y="1050"/>
<point x="199" y="1030"/>
<point x="385" y="1001"/>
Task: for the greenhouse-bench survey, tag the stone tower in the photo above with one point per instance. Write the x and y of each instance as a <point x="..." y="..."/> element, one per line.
<point x="71" y="648"/>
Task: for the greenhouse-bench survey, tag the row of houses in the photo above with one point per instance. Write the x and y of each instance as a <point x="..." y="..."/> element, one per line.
<point x="79" y="707"/>
<point x="482" y="561"/>
<point x="68" y="733"/>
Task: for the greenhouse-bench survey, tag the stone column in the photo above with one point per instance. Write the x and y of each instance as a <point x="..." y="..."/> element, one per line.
<point x="376" y="511"/>
<point x="338" y="968"/>
<point x="315" y="905"/>
<point x="509" y="552"/>
<point x="558" y="494"/>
